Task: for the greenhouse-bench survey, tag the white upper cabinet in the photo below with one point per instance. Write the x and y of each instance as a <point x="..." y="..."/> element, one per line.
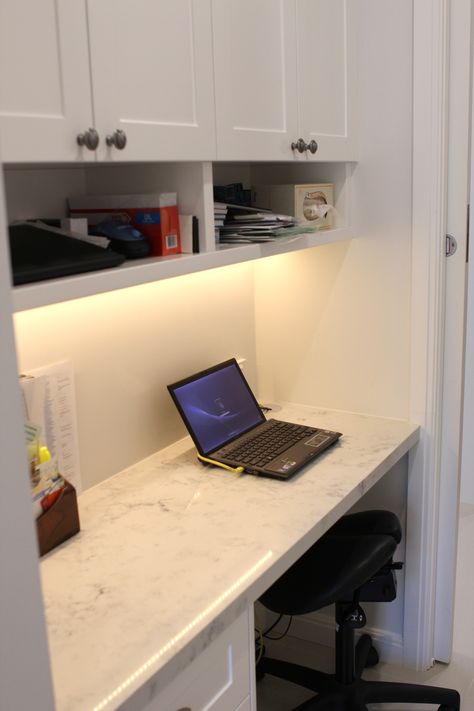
<point x="326" y="76"/>
<point x="152" y="79"/>
<point x="140" y="76"/>
<point x="284" y="70"/>
<point x="255" y="78"/>
<point x="44" y="80"/>
<point x="146" y="85"/>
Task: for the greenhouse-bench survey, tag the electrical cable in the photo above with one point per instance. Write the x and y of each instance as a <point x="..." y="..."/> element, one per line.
<point x="275" y="639"/>
<point x="264" y="634"/>
<point x="259" y="644"/>
<point x="236" y="470"/>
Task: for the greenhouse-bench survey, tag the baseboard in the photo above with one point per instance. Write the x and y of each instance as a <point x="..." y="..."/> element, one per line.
<point x="319" y="629"/>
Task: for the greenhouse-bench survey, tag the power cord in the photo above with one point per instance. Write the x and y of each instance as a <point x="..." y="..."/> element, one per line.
<point x="259" y="646"/>
<point x="260" y="636"/>
<point x="206" y="460"/>
<point x="275" y="639"/>
<point x="264" y="634"/>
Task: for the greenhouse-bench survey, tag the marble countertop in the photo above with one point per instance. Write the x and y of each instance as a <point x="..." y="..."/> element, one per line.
<point x="171" y="552"/>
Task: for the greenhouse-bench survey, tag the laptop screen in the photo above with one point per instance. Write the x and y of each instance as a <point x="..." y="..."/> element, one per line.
<point x="216" y="405"/>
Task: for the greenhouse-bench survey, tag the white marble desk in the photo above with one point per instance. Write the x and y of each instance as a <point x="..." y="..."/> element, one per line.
<point x="171" y="552"/>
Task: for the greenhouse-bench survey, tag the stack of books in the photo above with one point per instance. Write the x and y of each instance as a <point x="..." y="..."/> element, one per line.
<point x="246" y="224"/>
<point x="234" y="193"/>
<point x="220" y="212"/>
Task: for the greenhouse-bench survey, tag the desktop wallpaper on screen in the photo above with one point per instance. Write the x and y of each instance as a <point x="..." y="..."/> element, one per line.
<point x="218" y="407"/>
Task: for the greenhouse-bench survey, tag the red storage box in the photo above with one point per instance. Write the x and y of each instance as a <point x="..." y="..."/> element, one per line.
<point x="154" y="215"/>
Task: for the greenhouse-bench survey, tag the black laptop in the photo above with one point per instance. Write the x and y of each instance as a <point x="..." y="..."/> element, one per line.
<point x="228" y="425"/>
<point x="38" y="254"/>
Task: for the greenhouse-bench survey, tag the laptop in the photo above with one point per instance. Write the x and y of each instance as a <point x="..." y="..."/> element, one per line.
<point x="228" y="426"/>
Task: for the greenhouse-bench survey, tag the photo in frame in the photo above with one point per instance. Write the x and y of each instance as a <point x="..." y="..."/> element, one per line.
<point x="306" y="202"/>
<point x="314" y="204"/>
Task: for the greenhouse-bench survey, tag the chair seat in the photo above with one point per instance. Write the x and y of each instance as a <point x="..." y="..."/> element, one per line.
<point x="330" y="570"/>
<point x="338" y="568"/>
<point x="369" y="522"/>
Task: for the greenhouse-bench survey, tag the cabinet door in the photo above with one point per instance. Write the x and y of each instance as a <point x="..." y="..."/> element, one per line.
<point x="326" y="76"/>
<point x="151" y="65"/>
<point x="45" y="97"/>
<point x="255" y="78"/>
<point x="218" y="679"/>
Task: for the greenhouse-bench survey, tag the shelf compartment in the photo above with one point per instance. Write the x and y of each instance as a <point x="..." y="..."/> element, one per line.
<point x="144" y="271"/>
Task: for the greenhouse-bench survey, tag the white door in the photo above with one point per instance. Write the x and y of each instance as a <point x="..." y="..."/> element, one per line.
<point x="151" y="65"/>
<point x="467" y="466"/>
<point x="440" y="179"/>
<point x="326" y="72"/>
<point x="467" y="463"/>
<point x="45" y="100"/>
<point x="456" y="224"/>
<point x="255" y="79"/>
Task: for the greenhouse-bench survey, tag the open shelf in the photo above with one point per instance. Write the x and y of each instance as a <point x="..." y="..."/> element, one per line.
<point x="143" y="271"/>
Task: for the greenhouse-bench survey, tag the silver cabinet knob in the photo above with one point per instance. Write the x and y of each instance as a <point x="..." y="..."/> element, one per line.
<point x="89" y="139"/>
<point x="312" y="146"/>
<point x="117" y="139"/>
<point x="299" y="146"/>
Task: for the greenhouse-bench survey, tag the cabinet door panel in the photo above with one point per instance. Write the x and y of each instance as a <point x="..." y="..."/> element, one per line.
<point x="326" y="76"/>
<point x="152" y="77"/>
<point x="255" y="77"/>
<point x="45" y="97"/>
<point x="218" y="679"/>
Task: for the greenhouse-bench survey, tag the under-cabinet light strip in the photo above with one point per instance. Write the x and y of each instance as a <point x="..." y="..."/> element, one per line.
<point x="174" y="640"/>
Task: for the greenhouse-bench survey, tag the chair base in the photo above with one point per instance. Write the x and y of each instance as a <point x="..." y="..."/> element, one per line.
<point x="333" y="695"/>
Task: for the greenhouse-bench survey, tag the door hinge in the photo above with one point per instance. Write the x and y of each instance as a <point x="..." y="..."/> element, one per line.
<point x="451" y="245"/>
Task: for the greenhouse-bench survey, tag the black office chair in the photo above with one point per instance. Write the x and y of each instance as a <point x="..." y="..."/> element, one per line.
<point x="352" y="562"/>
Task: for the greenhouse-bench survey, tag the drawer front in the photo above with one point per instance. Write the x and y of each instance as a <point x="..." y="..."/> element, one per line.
<point x="217" y="680"/>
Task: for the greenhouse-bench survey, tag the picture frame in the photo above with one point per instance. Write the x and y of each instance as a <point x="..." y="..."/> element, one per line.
<point x="310" y="201"/>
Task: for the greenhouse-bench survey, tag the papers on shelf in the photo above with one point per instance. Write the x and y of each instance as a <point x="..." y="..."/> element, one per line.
<point x="220" y="212"/>
<point x="263" y="217"/>
<point x="274" y="235"/>
<point x="241" y="224"/>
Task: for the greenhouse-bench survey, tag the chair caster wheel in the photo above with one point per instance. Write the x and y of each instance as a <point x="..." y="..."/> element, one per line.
<point x="373" y="660"/>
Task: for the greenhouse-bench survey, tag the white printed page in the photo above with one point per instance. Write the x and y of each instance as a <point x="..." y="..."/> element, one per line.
<point x="49" y="402"/>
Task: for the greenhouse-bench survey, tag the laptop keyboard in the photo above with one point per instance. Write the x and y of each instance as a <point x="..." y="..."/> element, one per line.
<point x="261" y="448"/>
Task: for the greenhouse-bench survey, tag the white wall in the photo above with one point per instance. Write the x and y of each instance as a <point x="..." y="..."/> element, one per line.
<point x="33" y="192"/>
<point x="333" y="323"/>
<point x="126" y="346"/>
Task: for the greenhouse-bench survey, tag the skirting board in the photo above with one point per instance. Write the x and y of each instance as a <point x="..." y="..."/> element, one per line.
<point x="319" y="628"/>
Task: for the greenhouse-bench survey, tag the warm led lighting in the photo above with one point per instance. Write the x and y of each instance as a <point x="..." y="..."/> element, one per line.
<point x="174" y="640"/>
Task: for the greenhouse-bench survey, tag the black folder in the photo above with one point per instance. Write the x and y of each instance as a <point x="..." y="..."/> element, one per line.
<point x="38" y="254"/>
